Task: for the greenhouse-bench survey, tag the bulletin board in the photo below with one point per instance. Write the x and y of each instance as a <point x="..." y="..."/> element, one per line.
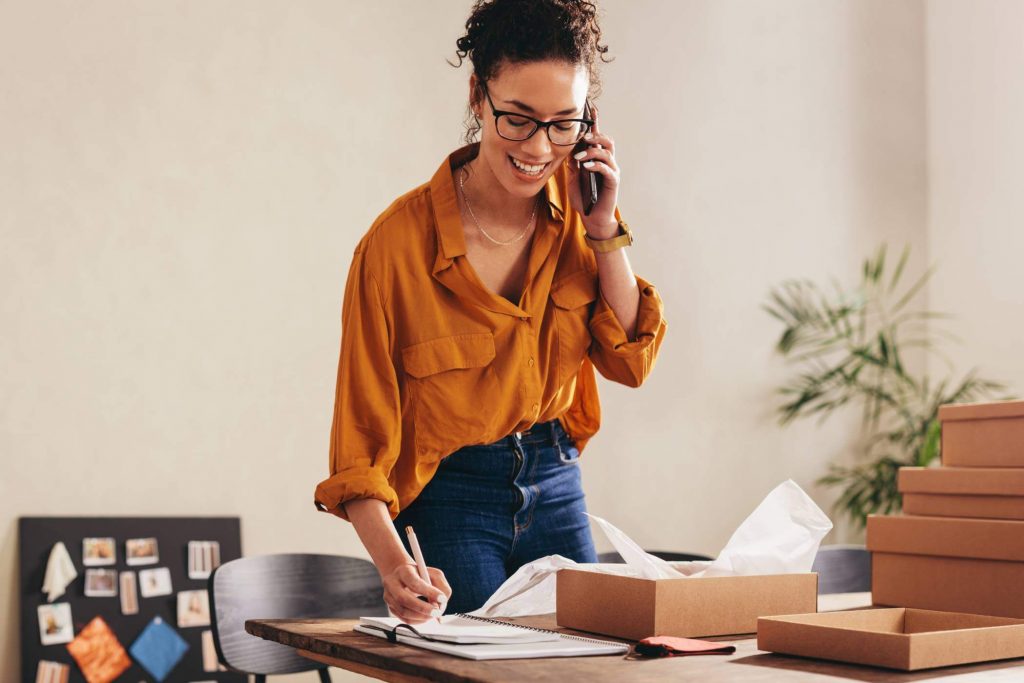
<point x="36" y="538"/>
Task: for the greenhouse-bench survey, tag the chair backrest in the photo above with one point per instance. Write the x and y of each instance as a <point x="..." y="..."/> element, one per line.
<point x="286" y="587"/>
<point x="613" y="557"/>
<point x="843" y="569"/>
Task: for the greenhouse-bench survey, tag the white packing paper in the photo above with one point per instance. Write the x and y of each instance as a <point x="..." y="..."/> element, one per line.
<point x="781" y="536"/>
<point x="60" y="572"/>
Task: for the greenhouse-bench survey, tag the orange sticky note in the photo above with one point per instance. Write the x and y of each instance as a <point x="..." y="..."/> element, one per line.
<point x="99" y="653"/>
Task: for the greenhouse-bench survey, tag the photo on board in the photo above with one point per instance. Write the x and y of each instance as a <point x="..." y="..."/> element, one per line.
<point x="141" y="551"/>
<point x="203" y="558"/>
<point x="129" y="594"/>
<point x="154" y="582"/>
<point x="97" y="552"/>
<point x="55" y="625"/>
<point x="100" y="583"/>
<point x="193" y="608"/>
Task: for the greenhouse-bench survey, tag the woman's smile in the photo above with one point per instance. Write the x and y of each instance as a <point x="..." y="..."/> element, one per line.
<point x="530" y="171"/>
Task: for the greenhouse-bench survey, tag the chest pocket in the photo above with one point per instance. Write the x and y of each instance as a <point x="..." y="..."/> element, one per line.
<point x="450" y="383"/>
<point x="573" y="299"/>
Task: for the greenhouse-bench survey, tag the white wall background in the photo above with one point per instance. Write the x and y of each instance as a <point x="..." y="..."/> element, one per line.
<point x="975" y="174"/>
<point x="182" y="184"/>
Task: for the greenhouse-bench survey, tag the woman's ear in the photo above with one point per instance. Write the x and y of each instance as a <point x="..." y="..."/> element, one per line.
<point x="475" y="95"/>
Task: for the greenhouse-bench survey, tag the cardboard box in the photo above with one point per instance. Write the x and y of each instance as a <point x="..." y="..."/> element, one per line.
<point x="995" y="493"/>
<point x="983" y="434"/>
<point x="635" y="608"/>
<point x="954" y="584"/>
<point x="945" y="563"/>
<point x="905" y="639"/>
<point x="989" y="539"/>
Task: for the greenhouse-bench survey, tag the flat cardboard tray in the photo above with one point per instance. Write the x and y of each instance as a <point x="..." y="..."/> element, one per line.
<point x="897" y="638"/>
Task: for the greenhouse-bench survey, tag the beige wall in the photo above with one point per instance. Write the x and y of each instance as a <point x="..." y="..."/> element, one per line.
<point x="181" y="186"/>
<point x="975" y="168"/>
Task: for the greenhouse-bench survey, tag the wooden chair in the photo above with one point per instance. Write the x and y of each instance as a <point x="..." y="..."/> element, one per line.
<point x="286" y="587"/>
<point x="842" y="569"/>
<point x="614" y="558"/>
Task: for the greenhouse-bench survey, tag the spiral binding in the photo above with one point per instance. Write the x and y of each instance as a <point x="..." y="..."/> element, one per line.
<point x="535" y="628"/>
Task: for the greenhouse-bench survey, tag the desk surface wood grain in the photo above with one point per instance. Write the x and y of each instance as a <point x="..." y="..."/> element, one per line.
<point x="332" y="641"/>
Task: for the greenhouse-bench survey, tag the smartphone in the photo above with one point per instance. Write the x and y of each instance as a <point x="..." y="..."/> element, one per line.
<point x="590" y="182"/>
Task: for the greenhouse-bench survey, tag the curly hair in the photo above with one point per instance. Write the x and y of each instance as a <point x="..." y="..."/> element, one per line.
<point x="519" y="31"/>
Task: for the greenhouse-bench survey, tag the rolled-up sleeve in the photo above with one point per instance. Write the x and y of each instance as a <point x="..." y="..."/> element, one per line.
<point x="613" y="354"/>
<point x="366" y="429"/>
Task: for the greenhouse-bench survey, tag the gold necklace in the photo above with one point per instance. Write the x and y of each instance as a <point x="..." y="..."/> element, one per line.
<point x="462" y="190"/>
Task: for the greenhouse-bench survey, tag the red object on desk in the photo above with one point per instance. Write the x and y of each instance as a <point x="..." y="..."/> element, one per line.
<point x="669" y="646"/>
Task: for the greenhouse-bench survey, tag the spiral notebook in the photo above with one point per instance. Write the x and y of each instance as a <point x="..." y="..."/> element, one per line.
<point x="472" y="637"/>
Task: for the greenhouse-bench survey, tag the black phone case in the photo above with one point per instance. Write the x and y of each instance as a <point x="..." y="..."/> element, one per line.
<point x="590" y="182"/>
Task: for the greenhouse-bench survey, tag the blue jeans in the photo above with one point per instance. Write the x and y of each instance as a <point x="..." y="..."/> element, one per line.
<point x="491" y="509"/>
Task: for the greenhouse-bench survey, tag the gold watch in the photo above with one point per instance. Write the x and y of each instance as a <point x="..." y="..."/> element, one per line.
<point x="623" y="239"/>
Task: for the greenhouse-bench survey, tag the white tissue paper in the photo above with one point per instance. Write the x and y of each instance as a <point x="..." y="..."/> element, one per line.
<point x="60" y="572"/>
<point x="781" y="536"/>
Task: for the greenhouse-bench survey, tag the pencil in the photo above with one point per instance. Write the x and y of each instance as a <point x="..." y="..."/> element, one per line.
<point x="421" y="565"/>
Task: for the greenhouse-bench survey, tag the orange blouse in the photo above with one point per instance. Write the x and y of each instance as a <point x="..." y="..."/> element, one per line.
<point x="432" y="360"/>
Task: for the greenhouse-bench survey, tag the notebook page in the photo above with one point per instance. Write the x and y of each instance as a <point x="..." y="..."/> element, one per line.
<point x="458" y="629"/>
<point x="562" y="647"/>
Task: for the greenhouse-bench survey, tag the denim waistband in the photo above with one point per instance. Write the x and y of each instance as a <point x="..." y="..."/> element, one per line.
<point x="547" y="433"/>
<point x="543" y="437"/>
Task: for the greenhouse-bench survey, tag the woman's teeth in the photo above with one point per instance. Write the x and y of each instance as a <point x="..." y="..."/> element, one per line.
<point x="529" y="170"/>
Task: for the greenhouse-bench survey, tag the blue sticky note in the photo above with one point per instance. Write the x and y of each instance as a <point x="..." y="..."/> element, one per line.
<point x="158" y="648"/>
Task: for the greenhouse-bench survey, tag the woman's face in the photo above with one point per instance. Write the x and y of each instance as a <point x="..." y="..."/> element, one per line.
<point x="544" y="90"/>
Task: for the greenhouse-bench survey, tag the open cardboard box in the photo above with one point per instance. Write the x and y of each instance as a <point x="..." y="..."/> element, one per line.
<point x="960" y="565"/>
<point x="634" y="608"/>
<point x="896" y="638"/>
<point x="993" y="493"/>
<point x="983" y="434"/>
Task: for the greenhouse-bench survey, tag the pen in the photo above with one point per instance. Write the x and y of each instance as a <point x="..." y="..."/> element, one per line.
<point x="421" y="565"/>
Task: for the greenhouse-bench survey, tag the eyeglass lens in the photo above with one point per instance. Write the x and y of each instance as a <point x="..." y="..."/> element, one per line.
<point x="512" y="127"/>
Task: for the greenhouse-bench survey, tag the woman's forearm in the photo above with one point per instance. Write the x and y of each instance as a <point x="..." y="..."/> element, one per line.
<point x="618" y="285"/>
<point x="373" y="525"/>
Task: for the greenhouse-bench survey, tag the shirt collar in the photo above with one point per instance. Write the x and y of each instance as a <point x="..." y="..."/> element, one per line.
<point x="450" y="238"/>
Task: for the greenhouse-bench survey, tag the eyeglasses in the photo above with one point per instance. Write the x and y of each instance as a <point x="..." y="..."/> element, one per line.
<point x="518" y="127"/>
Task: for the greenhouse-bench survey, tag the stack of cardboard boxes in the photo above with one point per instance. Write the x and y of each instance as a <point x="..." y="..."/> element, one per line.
<point x="959" y="546"/>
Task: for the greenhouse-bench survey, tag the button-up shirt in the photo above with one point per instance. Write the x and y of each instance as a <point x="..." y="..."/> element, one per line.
<point x="432" y="360"/>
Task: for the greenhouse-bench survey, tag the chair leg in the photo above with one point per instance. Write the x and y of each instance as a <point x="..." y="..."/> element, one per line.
<point x="325" y="675"/>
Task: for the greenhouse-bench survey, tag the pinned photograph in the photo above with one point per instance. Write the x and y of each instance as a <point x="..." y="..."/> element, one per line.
<point x="52" y="672"/>
<point x="55" y="625"/>
<point x="193" y="609"/>
<point x="210" y="661"/>
<point x="203" y="558"/>
<point x="97" y="552"/>
<point x="100" y="583"/>
<point x="141" y="551"/>
<point x="154" y="582"/>
<point x="129" y="594"/>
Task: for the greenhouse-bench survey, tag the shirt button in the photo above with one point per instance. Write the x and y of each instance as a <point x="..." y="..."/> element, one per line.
<point x="530" y="362"/>
<point x="524" y="319"/>
<point x="536" y="407"/>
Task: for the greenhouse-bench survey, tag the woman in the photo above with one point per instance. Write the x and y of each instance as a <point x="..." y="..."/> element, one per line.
<point x="476" y="309"/>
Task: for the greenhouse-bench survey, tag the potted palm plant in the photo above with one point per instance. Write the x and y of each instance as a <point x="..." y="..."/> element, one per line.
<point x="847" y="346"/>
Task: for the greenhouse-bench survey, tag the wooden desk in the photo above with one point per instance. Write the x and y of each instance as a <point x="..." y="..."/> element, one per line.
<point x="332" y="641"/>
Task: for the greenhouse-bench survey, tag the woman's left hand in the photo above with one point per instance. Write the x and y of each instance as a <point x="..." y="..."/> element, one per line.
<point x="601" y="223"/>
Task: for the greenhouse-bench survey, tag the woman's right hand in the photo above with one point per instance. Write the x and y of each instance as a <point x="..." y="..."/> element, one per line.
<point x="403" y="586"/>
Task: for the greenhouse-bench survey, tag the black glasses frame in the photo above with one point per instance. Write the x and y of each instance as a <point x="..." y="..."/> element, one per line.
<point x="537" y="125"/>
